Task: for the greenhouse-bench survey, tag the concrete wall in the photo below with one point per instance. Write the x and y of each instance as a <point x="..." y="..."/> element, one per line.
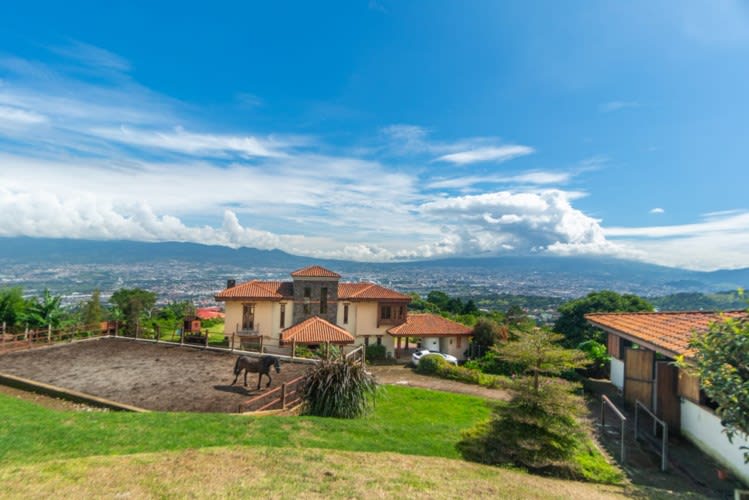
<point x="617" y="373"/>
<point x="703" y="428"/>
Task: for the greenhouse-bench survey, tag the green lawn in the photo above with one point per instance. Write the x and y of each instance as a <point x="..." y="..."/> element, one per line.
<point x="406" y="420"/>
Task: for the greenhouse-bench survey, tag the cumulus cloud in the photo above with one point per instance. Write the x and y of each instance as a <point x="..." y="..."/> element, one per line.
<point x="657" y="210"/>
<point x="542" y="221"/>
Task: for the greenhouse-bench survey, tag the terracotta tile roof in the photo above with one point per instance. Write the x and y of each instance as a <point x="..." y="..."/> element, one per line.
<point x="268" y="290"/>
<point x="316" y="330"/>
<point x="668" y="332"/>
<point x="368" y="291"/>
<point x="314" y="272"/>
<point x="426" y="324"/>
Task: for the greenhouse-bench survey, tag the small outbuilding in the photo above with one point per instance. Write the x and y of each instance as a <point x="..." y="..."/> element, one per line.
<point x="643" y="348"/>
<point x="433" y="332"/>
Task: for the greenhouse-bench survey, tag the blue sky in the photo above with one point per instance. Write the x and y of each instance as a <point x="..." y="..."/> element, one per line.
<point x="378" y="130"/>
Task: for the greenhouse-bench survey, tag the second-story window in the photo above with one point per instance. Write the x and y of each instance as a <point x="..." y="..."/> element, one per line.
<point x="345" y="314"/>
<point x="323" y="300"/>
<point x="282" y="322"/>
<point x="385" y="312"/>
<point x="307" y="292"/>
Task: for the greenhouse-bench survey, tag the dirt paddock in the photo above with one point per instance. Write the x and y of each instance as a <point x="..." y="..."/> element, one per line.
<point x="158" y="377"/>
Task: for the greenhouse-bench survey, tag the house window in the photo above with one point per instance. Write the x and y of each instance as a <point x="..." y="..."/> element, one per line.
<point x="401" y="313"/>
<point x="323" y="300"/>
<point x="345" y="314"/>
<point x="379" y="340"/>
<point x="307" y="292"/>
<point x="248" y="316"/>
<point x="282" y="323"/>
<point x="385" y="312"/>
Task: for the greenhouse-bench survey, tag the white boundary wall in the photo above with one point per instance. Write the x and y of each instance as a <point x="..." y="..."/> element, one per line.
<point x="704" y="429"/>
<point x="617" y="373"/>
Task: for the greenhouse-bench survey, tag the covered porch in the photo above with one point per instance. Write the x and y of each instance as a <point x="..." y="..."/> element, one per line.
<point x="432" y="332"/>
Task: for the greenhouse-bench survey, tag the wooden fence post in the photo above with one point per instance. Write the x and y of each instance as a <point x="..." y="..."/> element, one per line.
<point x="49" y="333"/>
<point x="293" y="348"/>
<point x="283" y="396"/>
<point x="261" y="344"/>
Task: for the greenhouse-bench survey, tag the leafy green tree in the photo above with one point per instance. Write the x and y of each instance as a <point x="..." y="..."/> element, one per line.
<point x="486" y="333"/>
<point x="92" y="313"/>
<point x="439" y="299"/>
<point x="45" y="311"/>
<point x="540" y="353"/>
<point x="575" y="328"/>
<point x="721" y="361"/>
<point x="12" y="306"/>
<point x="133" y="303"/>
<point x="470" y="307"/>
<point x="516" y="315"/>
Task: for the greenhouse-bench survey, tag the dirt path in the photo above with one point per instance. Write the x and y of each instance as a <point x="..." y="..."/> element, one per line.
<point x="402" y="375"/>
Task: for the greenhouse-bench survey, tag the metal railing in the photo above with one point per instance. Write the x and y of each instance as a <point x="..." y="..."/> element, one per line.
<point x="605" y="401"/>
<point x="656" y="421"/>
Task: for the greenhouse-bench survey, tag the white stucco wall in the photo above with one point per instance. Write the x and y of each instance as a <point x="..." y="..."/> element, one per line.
<point x="703" y="428"/>
<point x="449" y="345"/>
<point x="267" y="319"/>
<point x="617" y="373"/>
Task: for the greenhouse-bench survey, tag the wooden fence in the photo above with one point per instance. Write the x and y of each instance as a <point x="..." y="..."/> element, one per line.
<point x="29" y="339"/>
<point x="285" y="397"/>
<point x="357" y="354"/>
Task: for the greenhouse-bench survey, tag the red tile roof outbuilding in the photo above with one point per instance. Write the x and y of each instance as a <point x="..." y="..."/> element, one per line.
<point x="429" y="325"/>
<point x="665" y="332"/>
<point x="314" y="272"/>
<point x="316" y="330"/>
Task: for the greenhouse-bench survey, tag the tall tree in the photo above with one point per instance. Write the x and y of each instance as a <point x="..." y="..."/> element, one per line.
<point x="538" y="427"/>
<point x="572" y="324"/>
<point x="133" y="303"/>
<point x="721" y="361"/>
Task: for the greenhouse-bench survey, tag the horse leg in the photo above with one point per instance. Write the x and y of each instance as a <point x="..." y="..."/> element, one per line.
<point x="235" y="379"/>
<point x="269" y="379"/>
<point x="259" y="378"/>
<point x="245" y="377"/>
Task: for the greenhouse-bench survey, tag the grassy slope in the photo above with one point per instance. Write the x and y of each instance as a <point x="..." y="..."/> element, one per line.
<point x="406" y="420"/>
<point x="260" y="472"/>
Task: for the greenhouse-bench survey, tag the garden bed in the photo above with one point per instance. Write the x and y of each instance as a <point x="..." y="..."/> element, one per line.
<point x="159" y="377"/>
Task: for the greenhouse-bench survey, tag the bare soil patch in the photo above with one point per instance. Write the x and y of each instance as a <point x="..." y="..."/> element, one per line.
<point x="158" y="377"/>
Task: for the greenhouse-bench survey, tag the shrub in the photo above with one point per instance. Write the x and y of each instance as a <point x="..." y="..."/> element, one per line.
<point x="430" y="364"/>
<point x="338" y="387"/>
<point x="376" y="352"/>
<point x="598" y="356"/>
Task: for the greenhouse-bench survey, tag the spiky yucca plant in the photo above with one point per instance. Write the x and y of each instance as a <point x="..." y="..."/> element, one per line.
<point x="338" y="388"/>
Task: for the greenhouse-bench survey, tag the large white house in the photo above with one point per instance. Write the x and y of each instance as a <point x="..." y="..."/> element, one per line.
<point x="316" y="308"/>
<point x="643" y="347"/>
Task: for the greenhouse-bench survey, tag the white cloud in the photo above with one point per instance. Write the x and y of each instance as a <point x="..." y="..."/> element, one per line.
<point x="496" y="154"/>
<point x="534" y="178"/>
<point x="542" y="221"/>
<point x="181" y="141"/>
<point x="657" y="210"/>
<point x="12" y="116"/>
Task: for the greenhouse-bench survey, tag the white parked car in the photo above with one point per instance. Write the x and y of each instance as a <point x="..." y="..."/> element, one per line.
<point x="415" y="357"/>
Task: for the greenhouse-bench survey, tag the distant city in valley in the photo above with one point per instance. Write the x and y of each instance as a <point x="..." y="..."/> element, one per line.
<point x="178" y="271"/>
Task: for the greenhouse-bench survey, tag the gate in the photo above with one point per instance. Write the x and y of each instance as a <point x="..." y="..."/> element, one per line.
<point x="667" y="404"/>
<point x="638" y="376"/>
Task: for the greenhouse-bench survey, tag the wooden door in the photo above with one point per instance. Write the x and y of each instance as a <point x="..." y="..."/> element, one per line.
<point x="667" y="404"/>
<point x="638" y="376"/>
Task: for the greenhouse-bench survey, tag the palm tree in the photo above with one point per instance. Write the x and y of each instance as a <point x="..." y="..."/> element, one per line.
<point x="44" y="312"/>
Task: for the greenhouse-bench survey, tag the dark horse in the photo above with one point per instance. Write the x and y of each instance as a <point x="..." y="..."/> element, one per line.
<point x="260" y="366"/>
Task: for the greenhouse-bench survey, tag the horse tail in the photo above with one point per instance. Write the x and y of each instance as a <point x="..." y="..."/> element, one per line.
<point x="236" y="366"/>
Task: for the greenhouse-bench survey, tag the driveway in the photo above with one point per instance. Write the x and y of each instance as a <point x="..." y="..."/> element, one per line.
<point x="401" y="375"/>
